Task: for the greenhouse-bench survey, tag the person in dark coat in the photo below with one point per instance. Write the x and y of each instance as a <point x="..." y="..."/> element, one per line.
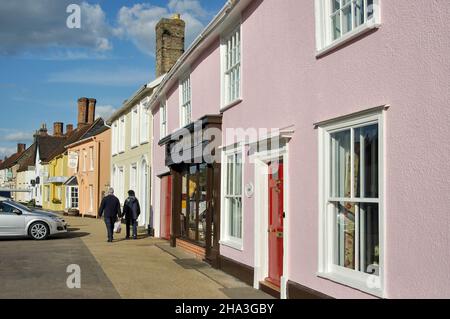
<point x="110" y="207"/>
<point x="131" y="211"/>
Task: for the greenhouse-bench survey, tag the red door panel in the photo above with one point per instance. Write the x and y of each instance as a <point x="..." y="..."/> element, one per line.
<point x="276" y="216"/>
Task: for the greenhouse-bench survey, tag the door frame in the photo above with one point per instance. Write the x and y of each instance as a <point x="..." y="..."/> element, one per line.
<point x="261" y="213"/>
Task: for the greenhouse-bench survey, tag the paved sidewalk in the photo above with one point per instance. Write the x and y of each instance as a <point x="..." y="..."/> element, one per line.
<point x="150" y="268"/>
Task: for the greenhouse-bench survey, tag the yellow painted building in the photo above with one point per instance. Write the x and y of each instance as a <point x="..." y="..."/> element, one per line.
<point x="54" y="189"/>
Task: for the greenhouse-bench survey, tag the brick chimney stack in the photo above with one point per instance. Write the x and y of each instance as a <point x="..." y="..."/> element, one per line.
<point x="170" y="35"/>
<point x="69" y="129"/>
<point x="82" y="111"/>
<point x="91" y="111"/>
<point x="21" y="148"/>
<point x="58" y="129"/>
<point x="43" y="130"/>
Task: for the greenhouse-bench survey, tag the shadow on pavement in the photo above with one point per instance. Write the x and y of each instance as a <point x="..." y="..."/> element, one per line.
<point x="69" y="235"/>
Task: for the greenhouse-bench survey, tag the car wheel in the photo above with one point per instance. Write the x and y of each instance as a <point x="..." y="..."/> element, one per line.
<point x="38" y="231"/>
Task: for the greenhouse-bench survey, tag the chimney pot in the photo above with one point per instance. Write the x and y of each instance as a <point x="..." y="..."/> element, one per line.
<point x="82" y="111"/>
<point x="69" y="129"/>
<point x="58" y="129"/>
<point x="91" y="111"/>
<point x="43" y="130"/>
<point x="21" y="148"/>
<point x="170" y="35"/>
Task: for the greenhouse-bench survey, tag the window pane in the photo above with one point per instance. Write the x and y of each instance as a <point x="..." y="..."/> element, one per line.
<point x="369" y="238"/>
<point x="346" y="19"/>
<point x="366" y="161"/>
<point x="202" y="206"/>
<point x="345" y="235"/>
<point x="238" y="181"/>
<point x="192" y="191"/>
<point x="184" y="199"/>
<point x="340" y="164"/>
<point x="336" y="25"/>
<point x="359" y="12"/>
<point x="235" y="217"/>
<point x="370" y="9"/>
<point x="230" y="175"/>
<point x="335" y="5"/>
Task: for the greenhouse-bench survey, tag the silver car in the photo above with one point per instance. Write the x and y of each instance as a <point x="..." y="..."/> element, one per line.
<point x="19" y="220"/>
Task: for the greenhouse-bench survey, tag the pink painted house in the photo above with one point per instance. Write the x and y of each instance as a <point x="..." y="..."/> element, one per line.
<point x="330" y="171"/>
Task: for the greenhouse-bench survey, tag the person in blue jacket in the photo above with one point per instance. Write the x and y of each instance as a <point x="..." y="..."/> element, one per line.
<point x="131" y="211"/>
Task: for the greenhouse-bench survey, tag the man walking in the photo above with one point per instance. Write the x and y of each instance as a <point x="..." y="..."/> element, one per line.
<point x="111" y="207"/>
<point x="131" y="210"/>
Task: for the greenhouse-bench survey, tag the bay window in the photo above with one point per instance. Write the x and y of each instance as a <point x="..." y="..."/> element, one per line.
<point x="340" y="20"/>
<point x="351" y="209"/>
<point x="232" y="198"/>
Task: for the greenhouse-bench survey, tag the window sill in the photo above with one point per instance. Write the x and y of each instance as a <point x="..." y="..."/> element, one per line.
<point x="351" y="282"/>
<point x="371" y="25"/>
<point x="230" y="105"/>
<point x="232" y="244"/>
<point x="144" y="142"/>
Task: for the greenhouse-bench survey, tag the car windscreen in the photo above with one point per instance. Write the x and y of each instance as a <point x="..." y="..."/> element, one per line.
<point x="20" y="206"/>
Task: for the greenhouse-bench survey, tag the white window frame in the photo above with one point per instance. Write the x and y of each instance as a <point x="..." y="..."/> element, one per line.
<point x="134" y="177"/>
<point x="163" y="128"/>
<point x="122" y="134"/>
<point x="226" y="238"/>
<point x="134" y="126"/>
<point x="327" y="268"/>
<point x="70" y="197"/>
<point x="85" y="160"/>
<point x="115" y="138"/>
<point x="144" y="124"/>
<point x="121" y="183"/>
<point x="91" y="198"/>
<point x="324" y="35"/>
<point x="91" y="159"/>
<point x="227" y="99"/>
<point x="185" y="89"/>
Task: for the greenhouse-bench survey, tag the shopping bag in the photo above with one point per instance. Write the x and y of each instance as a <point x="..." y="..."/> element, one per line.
<point x="118" y="227"/>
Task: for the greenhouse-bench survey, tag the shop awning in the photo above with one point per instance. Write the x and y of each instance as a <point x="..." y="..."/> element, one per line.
<point x="72" y="181"/>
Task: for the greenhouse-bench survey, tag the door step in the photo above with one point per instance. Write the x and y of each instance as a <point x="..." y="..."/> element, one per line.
<point x="198" y="251"/>
<point x="270" y="289"/>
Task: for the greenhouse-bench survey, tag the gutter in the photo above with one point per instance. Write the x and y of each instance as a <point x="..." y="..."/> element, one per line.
<point x="218" y="19"/>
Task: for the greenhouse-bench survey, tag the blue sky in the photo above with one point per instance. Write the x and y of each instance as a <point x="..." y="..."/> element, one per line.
<point x="45" y="66"/>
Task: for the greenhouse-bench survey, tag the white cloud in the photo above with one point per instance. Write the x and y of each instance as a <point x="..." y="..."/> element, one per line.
<point x="192" y="6"/>
<point x="105" y="111"/>
<point x="27" y="26"/>
<point x="107" y="77"/>
<point x="18" y="137"/>
<point x="137" y="23"/>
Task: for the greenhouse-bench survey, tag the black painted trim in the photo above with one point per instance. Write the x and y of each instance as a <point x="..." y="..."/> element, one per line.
<point x="236" y="269"/>
<point x="297" y="291"/>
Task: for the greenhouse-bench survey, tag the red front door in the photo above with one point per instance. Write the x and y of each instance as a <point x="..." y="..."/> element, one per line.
<point x="276" y="216"/>
<point x="166" y="206"/>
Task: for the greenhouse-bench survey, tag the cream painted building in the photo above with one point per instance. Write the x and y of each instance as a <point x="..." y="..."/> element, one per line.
<point x="131" y="138"/>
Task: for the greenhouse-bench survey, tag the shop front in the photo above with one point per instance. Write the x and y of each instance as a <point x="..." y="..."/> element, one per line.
<point x="194" y="183"/>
